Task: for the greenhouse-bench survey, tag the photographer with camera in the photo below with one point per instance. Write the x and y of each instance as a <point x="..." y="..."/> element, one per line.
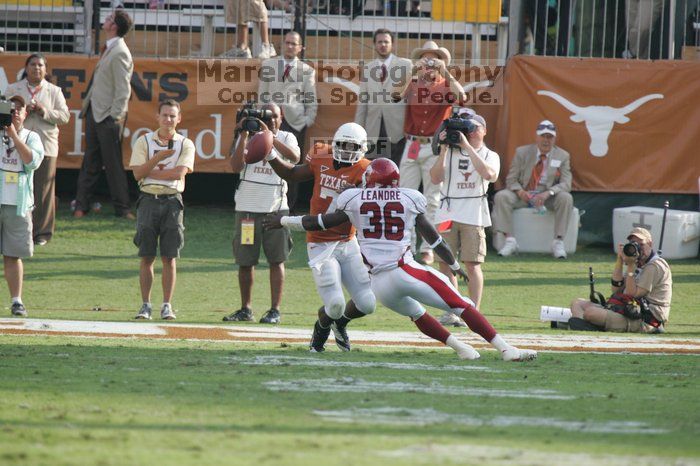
<point x="429" y="94"/>
<point x="464" y="169"/>
<point x="260" y="192"/>
<point x="641" y="300"/>
<point x="22" y="153"/>
<point x="160" y="160"/>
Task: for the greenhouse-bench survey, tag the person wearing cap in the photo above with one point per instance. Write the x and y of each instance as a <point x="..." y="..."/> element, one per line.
<point x="22" y="154"/>
<point x="464" y="173"/>
<point x="376" y="112"/>
<point x="643" y="277"/>
<point x="539" y="177"/>
<point x="46" y="109"/>
<point x="429" y="93"/>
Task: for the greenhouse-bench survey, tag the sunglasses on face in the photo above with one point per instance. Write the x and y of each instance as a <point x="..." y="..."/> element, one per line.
<point x="541" y="127"/>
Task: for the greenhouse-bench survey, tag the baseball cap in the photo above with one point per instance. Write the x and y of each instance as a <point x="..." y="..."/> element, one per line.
<point x="17" y="98"/>
<point x="641" y="233"/>
<point x="465" y="112"/>
<point x="479" y="120"/>
<point x="546" y="127"/>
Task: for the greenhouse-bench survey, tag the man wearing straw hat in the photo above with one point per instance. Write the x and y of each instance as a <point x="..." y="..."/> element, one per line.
<point x="429" y="94"/>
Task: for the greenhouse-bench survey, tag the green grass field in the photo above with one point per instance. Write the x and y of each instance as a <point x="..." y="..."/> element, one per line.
<point x="67" y="400"/>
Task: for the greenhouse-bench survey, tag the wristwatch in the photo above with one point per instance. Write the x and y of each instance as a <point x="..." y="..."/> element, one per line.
<point x="551" y="192"/>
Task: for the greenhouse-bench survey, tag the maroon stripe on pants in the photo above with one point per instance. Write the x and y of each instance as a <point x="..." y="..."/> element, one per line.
<point x="471" y="315"/>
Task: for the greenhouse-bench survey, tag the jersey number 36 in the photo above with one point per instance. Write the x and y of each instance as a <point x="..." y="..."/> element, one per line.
<point x="383" y="221"/>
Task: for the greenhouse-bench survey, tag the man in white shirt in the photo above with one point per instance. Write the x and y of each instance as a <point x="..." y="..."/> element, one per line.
<point x="464" y="172"/>
<point x="260" y="192"/>
<point x="160" y="161"/>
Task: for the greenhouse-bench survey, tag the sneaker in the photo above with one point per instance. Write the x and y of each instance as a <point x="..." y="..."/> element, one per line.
<point x="450" y="320"/>
<point x="18" y="310"/>
<point x="144" y="312"/>
<point x="271" y="317"/>
<point x="237" y="52"/>
<point x="268" y="51"/>
<point x="166" y="312"/>
<point x="518" y="355"/>
<point x="341" y="336"/>
<point x="318" y="338"/>
<point x="468" y="353"/>
<point x="558" y="250"/>
<point x="241" y="315"/>
<point x="510" y="247"/>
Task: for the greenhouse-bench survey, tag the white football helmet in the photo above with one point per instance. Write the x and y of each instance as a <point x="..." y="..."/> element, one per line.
<point x="349" y="143"/>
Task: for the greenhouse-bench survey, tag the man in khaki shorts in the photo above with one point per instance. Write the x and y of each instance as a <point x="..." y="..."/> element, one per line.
<point x="646" y="277"/>
<point x="160" y="161"/>
<point x="261" y="192"/>
<point x="240" y="12"/>
<point x="22" y="152"/>
<point x="465" y="170"/>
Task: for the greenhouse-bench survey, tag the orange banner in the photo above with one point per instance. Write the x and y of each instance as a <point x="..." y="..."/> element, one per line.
<point x="629" y="125"/>
<point x="210" y="92"/>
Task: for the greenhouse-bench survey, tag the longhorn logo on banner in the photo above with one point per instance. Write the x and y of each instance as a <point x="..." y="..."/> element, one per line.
<point x="600" y="119"/>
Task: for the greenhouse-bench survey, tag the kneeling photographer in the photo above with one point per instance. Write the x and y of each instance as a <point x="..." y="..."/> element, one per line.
<point x="464" y="169"/>
<point x="641" y="299"/>
<point x="260" y="192"/>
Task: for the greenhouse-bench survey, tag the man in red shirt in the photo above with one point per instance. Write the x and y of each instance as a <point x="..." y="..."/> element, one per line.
<point x="429" y="93"/>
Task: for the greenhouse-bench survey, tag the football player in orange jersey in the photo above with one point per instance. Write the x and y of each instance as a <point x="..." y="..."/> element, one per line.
<point x="334" y="255"/>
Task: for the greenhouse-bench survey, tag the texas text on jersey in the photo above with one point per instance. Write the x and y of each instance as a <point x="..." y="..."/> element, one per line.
<point x="330" y="178"/>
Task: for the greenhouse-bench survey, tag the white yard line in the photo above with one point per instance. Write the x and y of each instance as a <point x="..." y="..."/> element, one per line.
<point x="559" y="342"/>
<point x="429" y="416"/>
<point x="356" y="385"/>
<point x="316" y="362"/>
<point x="431" y="454"/>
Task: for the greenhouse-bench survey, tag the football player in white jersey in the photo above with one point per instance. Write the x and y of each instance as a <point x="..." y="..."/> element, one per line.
<point x="384" y="216"/>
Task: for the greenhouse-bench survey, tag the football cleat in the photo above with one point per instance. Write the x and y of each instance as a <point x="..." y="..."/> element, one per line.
<point x="318" y="338"/>
<point x="341" y="336"/>
<point x="518" y="355"/>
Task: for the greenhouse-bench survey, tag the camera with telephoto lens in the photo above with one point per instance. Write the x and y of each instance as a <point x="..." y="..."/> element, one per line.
<point x="252" y="118"/>
<point x="7" y="108"/>
<point x="632" y="249"/>
<point x="456" y="125"/>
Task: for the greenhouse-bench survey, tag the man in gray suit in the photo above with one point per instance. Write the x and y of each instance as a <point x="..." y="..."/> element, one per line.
<point x="539" y="177"/>
<point x="376" y="111"/>
<point x="291" y="84"/>
<point x="104" y="111"/>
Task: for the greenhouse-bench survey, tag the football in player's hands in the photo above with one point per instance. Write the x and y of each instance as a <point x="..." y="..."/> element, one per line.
<point x="258" y="146"/>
